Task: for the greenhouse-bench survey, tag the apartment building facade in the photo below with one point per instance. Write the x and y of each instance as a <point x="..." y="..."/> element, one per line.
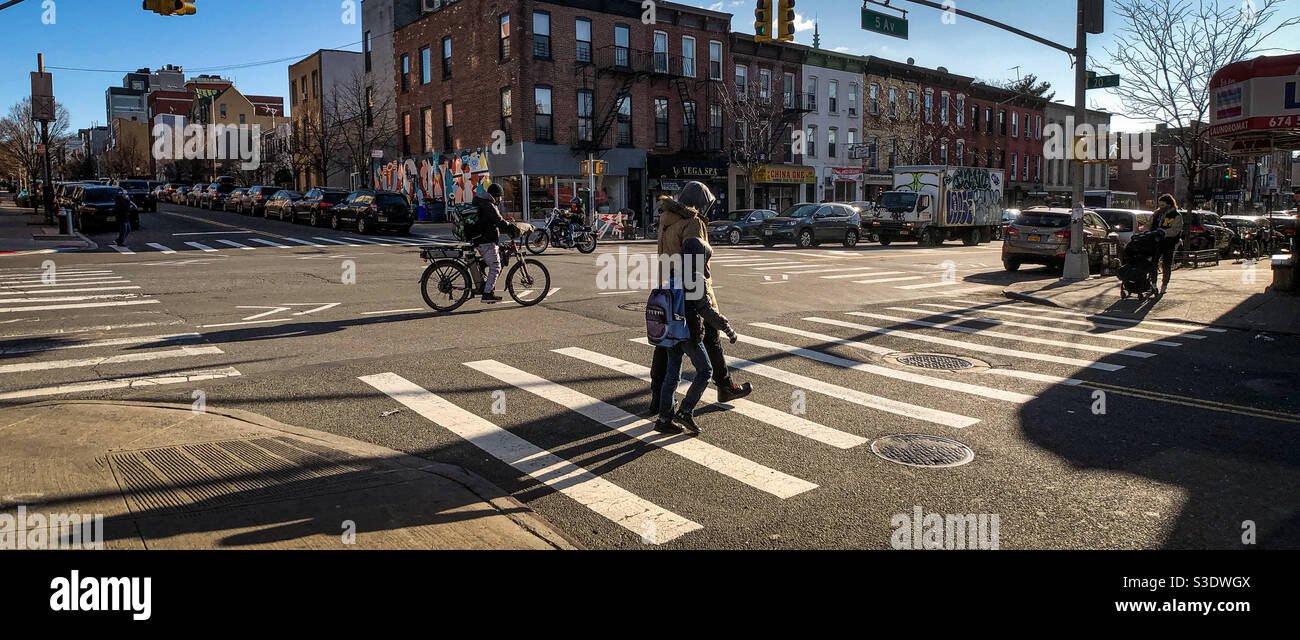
<point x="833" y="89"/>
<point x="767" y="80"/>
<point x="318" y="85"/>
<point x="1058" y="174"/>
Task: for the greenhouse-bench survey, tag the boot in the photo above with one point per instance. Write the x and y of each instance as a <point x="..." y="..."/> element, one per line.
<point x="728" y="391"/>
<point x="668" y="427"/>
<point x="684" y="420"/>
<point x="653" y="409"/>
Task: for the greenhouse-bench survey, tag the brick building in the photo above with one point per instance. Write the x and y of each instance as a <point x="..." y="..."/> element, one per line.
<point x="766" y="79"/>
<point x="555" y="81"/>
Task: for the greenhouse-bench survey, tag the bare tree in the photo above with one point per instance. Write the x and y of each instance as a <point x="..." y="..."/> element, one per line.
<point x="1166" y="53"/>
<point x="1029" y="84"/>
<point x="20" y="137"/>
<point x="903" y="134"/>
<point x="126" y="160"/>
<point x="361" y="125"/>
<point x="765" y="127"/>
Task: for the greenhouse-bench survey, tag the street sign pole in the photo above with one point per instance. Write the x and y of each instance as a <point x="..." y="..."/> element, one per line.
<point x="47" y="190"/>
<point x="1076" y="263"/>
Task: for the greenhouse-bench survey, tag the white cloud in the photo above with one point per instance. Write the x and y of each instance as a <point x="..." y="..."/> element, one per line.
<point x="801" y="23"/>
<point x="717" y="6"/>
<point x="737" y="3"/>
<point x="841" y="49"/>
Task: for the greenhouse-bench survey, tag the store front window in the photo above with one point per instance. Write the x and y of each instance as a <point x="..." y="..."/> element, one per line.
<point x="549" y="192"/>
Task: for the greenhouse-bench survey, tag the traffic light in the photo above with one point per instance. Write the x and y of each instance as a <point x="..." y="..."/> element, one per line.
<point x="763" y="21"/>
<point x="170" y="7"/>
<point x="785" y="20"/>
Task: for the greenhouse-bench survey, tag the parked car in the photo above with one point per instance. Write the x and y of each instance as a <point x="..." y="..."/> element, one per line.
<point x="63" y="194"/>
<point x="809" y="224"/>
<point x="373" y="211"/>
<point x="1041" y="235"/>
<point x="280" y="205"/>
<point x="94" y="206"/>
<point x="1204" y="230"/>
<point x="173" y="192"/>
<point x="739" y="226"/>
<point x="138" y="191"/>
<point x="234" y="200"/>
<point x="217" y="198"/>
<point x="1126" y="222"/>
<point x="255" y="199"/>
<point x="864" y="207"/>
<point x="1284" y="232"/>
<point x="317" y="205"/>
<point x="192" y="195"/>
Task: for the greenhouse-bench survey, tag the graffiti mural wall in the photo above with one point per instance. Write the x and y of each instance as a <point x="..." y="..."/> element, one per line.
<point x="437" y="178"/>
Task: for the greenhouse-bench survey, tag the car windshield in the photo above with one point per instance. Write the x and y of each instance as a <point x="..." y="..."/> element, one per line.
<point x="289" y="194"/>
<point x="133" y="184"/>
<point x="392" y="199"/>
<point x="897" y="202"/>
<point x="100" y="196"/>
<point x="737" y="215"/>
<point x="1118" y="219"/>
<point x="1034" y="219"/>
<point x="333" y="198"/>
<point x="800" y="211"/>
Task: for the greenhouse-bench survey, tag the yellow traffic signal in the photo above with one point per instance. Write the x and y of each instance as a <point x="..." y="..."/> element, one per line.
<point x="785" y="20"/>
<point x="170" y="7"/>
<point x="763" y="20"/>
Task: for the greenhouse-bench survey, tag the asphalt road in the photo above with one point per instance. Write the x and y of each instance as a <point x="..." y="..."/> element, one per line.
<point x="1086" y="433"/>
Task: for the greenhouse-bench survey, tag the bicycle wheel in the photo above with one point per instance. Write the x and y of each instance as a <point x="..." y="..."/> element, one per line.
<point x="585" y="242"/>
<point x="528" y="282"/>
<point x="537" y="242"/>
<point x="445" y="285"/>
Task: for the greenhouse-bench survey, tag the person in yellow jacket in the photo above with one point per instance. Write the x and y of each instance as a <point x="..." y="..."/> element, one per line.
<point x="679" y="219"/>
<point x="1168" y="219"/>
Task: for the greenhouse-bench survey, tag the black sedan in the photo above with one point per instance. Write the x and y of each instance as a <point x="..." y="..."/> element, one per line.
<point x="139" y="192"/>
<point x="318" y="205"/>
<point x="743" y="225"/>
<point x="280" y="206"/>
<point x="373" y="211"/>
<point x="96" y="205"/>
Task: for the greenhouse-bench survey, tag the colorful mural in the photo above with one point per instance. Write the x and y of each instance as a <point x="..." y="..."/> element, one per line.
<point x="438" y="177"/>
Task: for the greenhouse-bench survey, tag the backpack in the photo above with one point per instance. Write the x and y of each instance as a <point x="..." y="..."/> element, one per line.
<point x="464" y="218"/>
<point x="665" y="316"/>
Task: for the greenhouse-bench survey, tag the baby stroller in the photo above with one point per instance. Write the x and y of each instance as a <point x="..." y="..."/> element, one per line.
<point x="1137" y="263"/>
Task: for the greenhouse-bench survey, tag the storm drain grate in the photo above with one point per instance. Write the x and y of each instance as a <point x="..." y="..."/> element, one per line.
<point x="916" y="450"/>
<point x="936" y="361"/>
<point x="633" y="306"/>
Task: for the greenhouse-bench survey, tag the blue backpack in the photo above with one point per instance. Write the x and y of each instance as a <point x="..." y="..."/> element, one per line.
<point x="665" y="316"/>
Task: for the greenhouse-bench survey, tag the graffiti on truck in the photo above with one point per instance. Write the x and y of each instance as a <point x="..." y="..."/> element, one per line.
<point x="445" y="178"/>
<point x="973" y="195"/>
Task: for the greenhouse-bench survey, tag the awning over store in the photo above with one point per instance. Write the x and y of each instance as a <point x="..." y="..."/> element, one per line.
<point x="784" y="174"/>
<point x="1257" y="103"/>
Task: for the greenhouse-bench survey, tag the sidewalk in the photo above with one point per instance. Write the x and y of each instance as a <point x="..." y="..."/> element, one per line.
<point x="25" y="233"/>
<point x="1205" y="296"/>
<point x="166" y="477"/>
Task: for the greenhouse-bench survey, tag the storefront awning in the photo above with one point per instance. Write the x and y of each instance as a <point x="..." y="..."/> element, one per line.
<point x="784" y="174"/>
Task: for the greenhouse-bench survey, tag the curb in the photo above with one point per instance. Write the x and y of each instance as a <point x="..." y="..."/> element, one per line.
<point x="508" y="505"/>
<point x="1024" y="297"/>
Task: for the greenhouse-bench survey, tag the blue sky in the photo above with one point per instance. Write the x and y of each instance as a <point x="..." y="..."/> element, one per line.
<point x="117" y="35"/>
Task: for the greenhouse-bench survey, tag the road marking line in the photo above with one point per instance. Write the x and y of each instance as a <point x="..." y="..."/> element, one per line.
<point x="220" y="224"/>
<point x="269" y="243"/>
<point x="202" y="247"/>
<point x="846" y="273"/>
<point x="124" y="250"/>
<point x="762" y="413"/>
<point x="310" y="244"/>
<point x="777" y="265"/>
<point x="86" y="344"/>
<point x="380" y="313"/>
<point x="797" y="269"/>
<point x="234" y="244"/>
<point x="971" y="346"/>
<point x="850" y="395"/>
<point x="58" y="272"/>
<point x="603" y="497"/>
<point x="941" y="283"/>
<point x="63" y="332"/>
<point x="351" y="239"/>
<point x="615" y="293"/>
<point x="1153" y="323"/>
<point x="213" y="233"/>
<point x="1039" y="327"/>
<point x="880" y="280"/>
<point x="59" y="281"/>
<point x="693" y="449"/>
<point x="56" y="307"/>
<point x="122" y="383"/>
<point x="40" y="291"/>
<point x="182" y="352"/>
<point x="837" y="269"/>
<point x="162" y="248"/>
<point x="955" y="327"/>
<point x="907" y="376"/>
<point x="107" y="296"/>
<point x="334" y="241"/>
<point x="1084" y="323"/>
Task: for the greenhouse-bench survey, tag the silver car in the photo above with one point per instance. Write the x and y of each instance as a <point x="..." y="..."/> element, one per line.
<point x="1126" y="222"/>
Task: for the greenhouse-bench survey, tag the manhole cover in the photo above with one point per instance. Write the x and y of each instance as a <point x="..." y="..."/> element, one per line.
<point x="935" y="361"/>
<point x="916" y="450"/>
<point x="633" y="306"/>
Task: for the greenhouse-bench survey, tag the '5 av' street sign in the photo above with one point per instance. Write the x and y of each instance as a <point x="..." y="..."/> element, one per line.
<point x="882" y="23"/>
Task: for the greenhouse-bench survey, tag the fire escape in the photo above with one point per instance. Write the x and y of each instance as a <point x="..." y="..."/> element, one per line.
<point x="628" y="66"/>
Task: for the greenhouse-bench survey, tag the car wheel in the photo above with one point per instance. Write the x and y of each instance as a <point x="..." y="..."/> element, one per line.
<point x="806" y="239"/>
<point x="1011" y="264"/>
<point x="972" y="238"/>
<point x="733" y="237"/>
<point x="885" y="241"/>
<point x="363" y="227"/>
<point x="313" y="218"/>
<point x="335" y="223"/>
<point x="851" y="238"/>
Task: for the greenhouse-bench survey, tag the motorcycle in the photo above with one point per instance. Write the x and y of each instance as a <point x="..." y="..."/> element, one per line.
<point x="557" y="231"/>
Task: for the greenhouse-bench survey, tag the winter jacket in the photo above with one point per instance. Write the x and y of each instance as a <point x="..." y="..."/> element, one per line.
<point x="490" y="225"/>
<point x="677" y="223"/>
<point x="1171" y="222"/>
<point x="700" y="306"/>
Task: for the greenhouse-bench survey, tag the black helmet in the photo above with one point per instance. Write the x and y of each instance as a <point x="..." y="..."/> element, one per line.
<point x="576" y="200"/>
<point x="496" y="191"/>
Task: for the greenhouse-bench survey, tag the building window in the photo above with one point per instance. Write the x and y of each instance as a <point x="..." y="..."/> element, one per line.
<point x="911" y="101"/>
<point x="241" y="116"/>
<point x="661" y="123"/>
<point x="715" y="127"/>
<point x="1038" y="168"/>
<point x="929" y="105"/>
<point x="446" y="58"/>
<point x="1024" y="167"/>
<point x="988" y="120"/>
<point x="366" y="46"/>
<point x="1038" y="127"/>
<point x="961" y="153"/>
<point x="960" y="109"/>
<point x="1015" y="124"/>
<point x="975" y="117"/>
<point x="503" y="42"/>
<point x="621" y="36"/>
<point x="406" y="73"/>
<point x="585" y="110"/>
<point x="542" y="123"/>
<point x="582" y="28"/>
<point x="406" y="134"/>
<point x="507" y="113"/>
<point x="542" y="35"/>
<point x="810" y="142"/>
<point x="833" y="97"/>
<point x="690" y="125"/>
<point x="893" y="152"/>
<point x="426" y="129"/>
<point x="1013" y="167"/>
<point x="853" y="99"/>
<point x="943" y="108"/>
<point x="426" y="62"/>
<point x="315" y="84"/>
<point x="448" y="137"/>
<point x="661" y="52"/>
<point x="787" y="90"/>
<point x="873" y="98"/>
<point x="370" y="107"/>
<point x="715" y="60"/>
<point x="1002" y="122"/>
<point x="988" y="158"/>
<point x="831" y="134"/>
<point x="811" y="93"/>
<point x="893" y="102"/>
<point x="625" y="121"/>
<point x="223" y="111"/>
<point x="764" y="84"/>
<point x="688" y="56"/>
<point x="742" y="85"/>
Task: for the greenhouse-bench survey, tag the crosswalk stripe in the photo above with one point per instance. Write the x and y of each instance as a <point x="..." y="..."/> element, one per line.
<point x="859" y="275"/>
<point x="871" y="348"/>
<point x="1084" y="323"/>
<point x="779" y="419"/>
<point x="1151" y="323"/>
<point x="202" y="247"/>
<point x="907" y="376"/>
<point x="269" y="243"/>
<point x="1039" y="327"/>
<point x="304" y="242"/>
<point x="99" y="329"/>
<point x="850" y="395"/>
<point x="805" y="266"/>
<point x="346" y="244"/>
<point x="956" y="327"/>
<point x="107" y="360"/>
<point x="881" y="280"/>
<point x="702" y="453"/>
<point x="234" y="244"/>
<point x="125" y="250"/>
<point x="22" y="275"/>
<point x="85" y="344"/>
<point x="162" y="248"/>
<point x="770" y="265"/>
<point x="107" y="296"/>
<point x="836" y="269"/>
<point x="605" y="498"/>
<point x="351" y="239"/>
<point x="928" y="285"/>
<point x="59" y="281"/>
<point x="89" y="305"/>
<point x="122" y="383"/>
<point x="41" y="291"/>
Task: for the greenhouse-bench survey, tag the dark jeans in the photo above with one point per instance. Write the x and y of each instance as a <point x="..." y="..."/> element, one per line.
<point x="1166" y="259"/>
<point x="673" y="375"/>
<point x="712" y="348"/>
<point x="124" y="229"/>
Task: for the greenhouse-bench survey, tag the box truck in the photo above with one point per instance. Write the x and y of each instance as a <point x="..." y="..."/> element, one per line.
<point x="932" y="203"/>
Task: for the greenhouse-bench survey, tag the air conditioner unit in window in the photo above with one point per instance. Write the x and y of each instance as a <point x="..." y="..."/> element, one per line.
<point x="853" y="111"/>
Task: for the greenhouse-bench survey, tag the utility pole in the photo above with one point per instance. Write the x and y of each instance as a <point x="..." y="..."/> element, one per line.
<point x="47" y="188"/>
<point x="1076" y="263"/>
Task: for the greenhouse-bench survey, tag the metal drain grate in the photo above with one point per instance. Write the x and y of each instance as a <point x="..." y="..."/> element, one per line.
<point x="936" y="361"/>
<point x="633" y="306"/>
<point x="916" y="450"/>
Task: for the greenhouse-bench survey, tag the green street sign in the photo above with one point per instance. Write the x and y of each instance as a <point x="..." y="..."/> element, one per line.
<point x="1102" y="82"/>
<point x="886" y="24"/>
